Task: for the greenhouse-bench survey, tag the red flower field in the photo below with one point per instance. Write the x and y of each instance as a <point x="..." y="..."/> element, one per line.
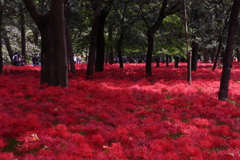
<point x="120" y="115"/>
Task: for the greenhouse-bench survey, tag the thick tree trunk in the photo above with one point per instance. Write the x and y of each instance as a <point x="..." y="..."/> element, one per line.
<point x="53" y="43"/>
<point x="93" y="39"/>
<point x="194" y="55"/>
<point x="119" y="49"/>
<point x="99" y="66"/>
<point x="227" y="60"/>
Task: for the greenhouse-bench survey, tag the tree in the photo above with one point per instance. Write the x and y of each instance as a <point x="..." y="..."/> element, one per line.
<point x="93" y="38"/>
<point x="53" y="42"/>
<point x="99" y="66"/>
<point x="165" y="11"/>
<point x="227" y="60"/>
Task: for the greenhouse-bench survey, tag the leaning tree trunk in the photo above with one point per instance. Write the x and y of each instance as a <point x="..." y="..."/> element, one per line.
<point x="53" y="43"/>
<point x="217" y="55"/>
<point x="7" y="43"/>
<point x="227" y="60"/>
<point x="99" y="66"/>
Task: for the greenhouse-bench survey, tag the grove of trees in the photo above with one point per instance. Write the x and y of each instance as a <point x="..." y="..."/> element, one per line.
<point x="113" y="31"/>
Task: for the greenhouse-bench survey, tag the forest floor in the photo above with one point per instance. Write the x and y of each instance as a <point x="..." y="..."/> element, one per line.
<point x="120" y="114"/>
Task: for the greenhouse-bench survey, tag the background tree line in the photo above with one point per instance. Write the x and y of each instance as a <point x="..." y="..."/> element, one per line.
<point x="100" y="31"/>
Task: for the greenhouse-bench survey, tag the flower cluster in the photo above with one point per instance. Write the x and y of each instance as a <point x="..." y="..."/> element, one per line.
<point x="119" y="115"/>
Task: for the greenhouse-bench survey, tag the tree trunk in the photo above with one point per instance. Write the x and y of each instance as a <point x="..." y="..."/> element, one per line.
<point x="1" y="24"/>
<point x="194" y="55"/>
<point x="176" y="61"/>
<point x="205" y="56"/>
<point x="167" y="60"/>
<point x="53" y="43"/>
<point x="22" y="24"/>
<point x="157" y="61"/>
<point x="70" y="53"/>
<point x="119" y="49"/>
<point x="99" y="66"/>
<point x="238" y="54"/>
<point x="110" y="49"/>
<point x="149" y="54"/>
<point x="227" y="60"/>
<point x="93" y="39"/>
<point x="217" y="55"/>
<point x="70" y="50"/>
<point x="150" y="35"/>
<point x="8" y="45"/>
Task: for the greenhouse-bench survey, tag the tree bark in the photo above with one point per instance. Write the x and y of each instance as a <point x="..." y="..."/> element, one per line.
<point x="53" y="43"/>
<point x="93" y="39"/>
<point x="227" y="60"/>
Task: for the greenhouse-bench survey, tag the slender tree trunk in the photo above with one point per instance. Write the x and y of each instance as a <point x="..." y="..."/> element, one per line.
<point x="1" y="24"/>
<point x="157" y="61"/>
<point x="70" y="50"/>
<point x="93" y="39"/>
<point x="70" y="53"/>
<point x="189" y="54"/>
<point x="238" y="54"/>
<point x="217" y="55"/>
<point x="22" y="24"/>
<point x="119" y="49"/>
<point x="110" y="49"/>
<point x="227" y="60"/>
<point x="99" y="66"/>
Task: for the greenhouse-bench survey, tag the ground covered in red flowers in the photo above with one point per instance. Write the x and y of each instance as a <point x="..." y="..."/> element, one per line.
<point x="120" y="114"/>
